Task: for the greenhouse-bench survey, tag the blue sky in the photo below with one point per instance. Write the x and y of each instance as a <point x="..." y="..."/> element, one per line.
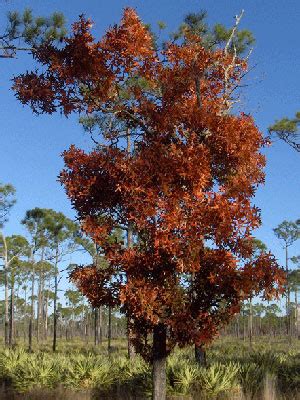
<point x="31" y="146"/>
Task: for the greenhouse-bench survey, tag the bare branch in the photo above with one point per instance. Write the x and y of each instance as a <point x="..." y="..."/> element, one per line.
<point x="133" y="117"/>
<point x="10" y="51"/>
<point x="233" y="32"/>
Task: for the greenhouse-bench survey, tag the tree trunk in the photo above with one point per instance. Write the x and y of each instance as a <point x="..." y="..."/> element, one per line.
<point x="260" y="326"/>
<point x="87" y="325"/>
<point x="296" y="314"/>
<point x="109" y="331"/>
<point x="100" y="325"/>
<point x="25" y="314"/>
<point x="250" y="323"/>
<point x="55" y="315"/>
<point x="55" y="303"/>
<point x="39" y="301"/>
<point x="131" y="348"/>
<point x="96" y="326"/>
<point x="6" y="312"/>
<point x="159" y="362"/>
<point x="17" y="328"/>
<point x="6" y="306"/>
<point x="288" y="299"/>
<point x="46" y="317"/>
<point x="42" y="317"/>
<point x="30" y="328"/>
<point x="244" y="326"/>
<point x="130" y="335"/>
<point x="11" y="311"/>
<point x="200" y="355"/>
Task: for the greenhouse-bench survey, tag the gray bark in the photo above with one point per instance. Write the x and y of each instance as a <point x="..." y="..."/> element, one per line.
<point x="30" y="328"/>
<point x="54" y="343"/>
<point x="109" y="331"/>
<point x="11" y="312"/>
<point x="200" y="355"/>
<point x="251" y="323"/>
<point x="6" y="301"/>
<point x="159" y="362"/>
<point x="100" y="326"/>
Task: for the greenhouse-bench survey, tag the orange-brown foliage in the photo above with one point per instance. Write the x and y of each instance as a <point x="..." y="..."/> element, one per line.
<point x="185" y="190"/>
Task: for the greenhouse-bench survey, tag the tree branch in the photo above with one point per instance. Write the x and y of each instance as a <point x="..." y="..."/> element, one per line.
<point x="233" y="32"/>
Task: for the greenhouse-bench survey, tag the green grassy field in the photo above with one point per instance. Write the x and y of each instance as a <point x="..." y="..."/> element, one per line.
<point x="82" y="372"/>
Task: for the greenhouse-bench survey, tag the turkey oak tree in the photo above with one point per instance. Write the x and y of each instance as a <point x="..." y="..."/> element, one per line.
<point x="183" y="190"/>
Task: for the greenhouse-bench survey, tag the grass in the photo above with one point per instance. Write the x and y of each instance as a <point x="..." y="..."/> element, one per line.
<point x="77" y="372"/>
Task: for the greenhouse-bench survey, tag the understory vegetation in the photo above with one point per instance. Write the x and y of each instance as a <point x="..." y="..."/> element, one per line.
<point x="270" y="371"/>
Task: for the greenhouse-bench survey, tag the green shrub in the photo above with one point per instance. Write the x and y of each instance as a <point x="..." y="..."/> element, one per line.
<point x="182" y="375"/>
<point x="218" y="378"/>
<point x="289" y="375"/>
<point x="251" y="377"/>
<point x="88" y="372"/>
<point x="35" y="372"/>
<point x="10" y="360"/>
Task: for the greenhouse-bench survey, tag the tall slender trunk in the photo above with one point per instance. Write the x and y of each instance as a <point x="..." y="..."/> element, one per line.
<point x="159" y="362"/>
<point x="30" y="328"/>
<point x="96" y="326"/>
<point x="97" y="310"/>
<point x="251" y="323"/>
<point x="130" y="334"/>
<point x="6" y="301"/>
<point x="16" y="311"/>
<point x="82" y="321"/>
<point x="54" y="343"/>
<point x="109" y="331"/>
<point x="288" y="298"/>
<point x="6" y="311"/>
<point x="86" y="326"/>
<point x="11" y="311"/>
<point x="39" y="299"/>
<point x="46" y="317"/>
<point x="72" y="324"/>
<point x="260" y="325"/>
<point x="244" y="326"/>
<point x="100" y="325"/>
<point x="42" y="316"/>
<point x="25" y="313"/>
<point x="296" y="314"/>
<point x="38" y="310"/>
